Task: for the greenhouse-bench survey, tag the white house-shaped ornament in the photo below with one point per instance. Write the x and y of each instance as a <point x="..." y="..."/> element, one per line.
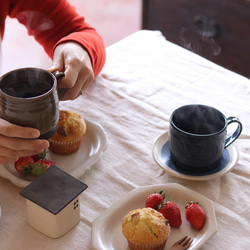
<point x="53" y="206"/>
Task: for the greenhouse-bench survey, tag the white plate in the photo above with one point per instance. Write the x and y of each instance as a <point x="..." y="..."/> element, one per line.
<point x="107" y="228"/>
<point x="161" y="155"/>
<point x="93" y="145"/>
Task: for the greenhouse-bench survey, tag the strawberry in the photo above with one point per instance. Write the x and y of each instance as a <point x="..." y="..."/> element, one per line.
<point x="23" y="164"/>
<point x="172" y="213"/>
<point x="40" y="166"/>
<point x="155" y="200"/>
<point x="195" y="214"/>
<point x="40" y="156"/>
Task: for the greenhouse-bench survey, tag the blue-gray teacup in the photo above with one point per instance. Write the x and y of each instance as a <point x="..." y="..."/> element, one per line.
<point x="198" y="137"/>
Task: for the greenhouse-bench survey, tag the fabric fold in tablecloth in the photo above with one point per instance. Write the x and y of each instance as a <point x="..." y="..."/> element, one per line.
<point x="145" y="78"/>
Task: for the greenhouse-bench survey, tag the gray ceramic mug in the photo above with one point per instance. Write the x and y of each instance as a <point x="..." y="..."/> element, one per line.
<point x="29" y="98"/>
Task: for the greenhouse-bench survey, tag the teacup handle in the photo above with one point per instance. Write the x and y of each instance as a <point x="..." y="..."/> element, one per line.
<point x="236" y="133"/>
<point x="60" y="91"/>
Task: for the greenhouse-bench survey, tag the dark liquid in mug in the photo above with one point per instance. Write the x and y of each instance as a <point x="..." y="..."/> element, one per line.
<point x="199" y="121"/>
<point x="26" y="89"/>
<point x="200" y="128"/>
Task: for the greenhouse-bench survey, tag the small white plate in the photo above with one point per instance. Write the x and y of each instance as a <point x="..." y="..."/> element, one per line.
<point x="107" y="228"/>
<point x="161" y="155"/>
<point x="93" y="145"/>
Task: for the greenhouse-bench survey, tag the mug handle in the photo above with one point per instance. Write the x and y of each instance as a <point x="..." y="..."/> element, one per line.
<point x="236" y="133"/>
<point x="60" y="91"/>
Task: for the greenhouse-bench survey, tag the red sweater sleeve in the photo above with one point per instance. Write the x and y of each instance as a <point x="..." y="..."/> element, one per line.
<point x="55" y="21"/>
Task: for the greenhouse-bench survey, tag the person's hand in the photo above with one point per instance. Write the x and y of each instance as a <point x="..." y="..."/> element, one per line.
<point x="16" y="141"/>
<point x="72" y="59"/>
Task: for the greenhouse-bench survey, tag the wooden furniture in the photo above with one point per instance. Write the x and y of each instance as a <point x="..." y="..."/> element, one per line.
<point x="215" y="29"/>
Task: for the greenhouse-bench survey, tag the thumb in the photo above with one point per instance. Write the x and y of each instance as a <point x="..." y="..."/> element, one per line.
<point x="58" y="62"/>
<point x="55" y="66"/>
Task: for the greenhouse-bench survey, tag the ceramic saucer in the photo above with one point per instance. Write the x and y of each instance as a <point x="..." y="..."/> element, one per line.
<point x="161" y="155"/>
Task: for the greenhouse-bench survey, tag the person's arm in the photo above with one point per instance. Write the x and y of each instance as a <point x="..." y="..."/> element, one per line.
<point x="76" y="49"/>
<point x="55" y="21"/>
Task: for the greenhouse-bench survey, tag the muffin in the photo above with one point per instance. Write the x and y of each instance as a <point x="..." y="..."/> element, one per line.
<point x="68" y="138"/>
<point x="145" y="228"/>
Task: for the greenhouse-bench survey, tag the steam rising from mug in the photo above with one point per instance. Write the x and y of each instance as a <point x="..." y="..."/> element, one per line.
<point x="29" y="97"/>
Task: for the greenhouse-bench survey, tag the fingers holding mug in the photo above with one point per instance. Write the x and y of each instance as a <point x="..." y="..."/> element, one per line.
<point x="16" y="141"/>
<point x="74" y="61"/>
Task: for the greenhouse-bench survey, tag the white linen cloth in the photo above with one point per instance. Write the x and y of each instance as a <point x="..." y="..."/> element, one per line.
<point x="145" y="78"/>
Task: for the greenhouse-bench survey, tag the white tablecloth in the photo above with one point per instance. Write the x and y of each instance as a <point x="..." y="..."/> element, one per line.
<point x="145" y="78"/>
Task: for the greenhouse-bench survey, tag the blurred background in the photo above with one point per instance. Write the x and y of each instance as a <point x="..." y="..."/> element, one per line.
<point x="113" y="19"/>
